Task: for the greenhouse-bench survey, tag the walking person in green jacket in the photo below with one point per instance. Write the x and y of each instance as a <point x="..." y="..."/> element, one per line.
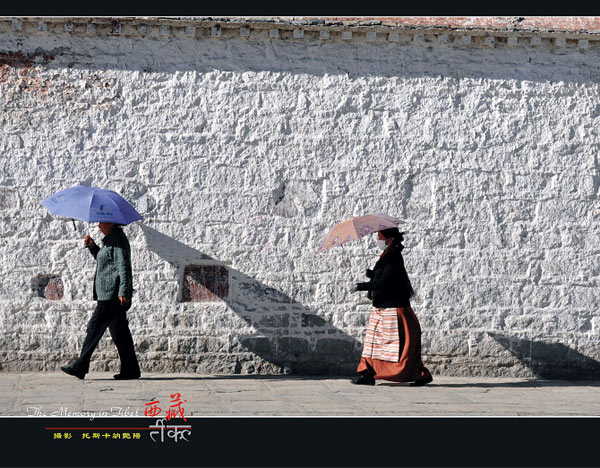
<point x="113" y="288"/>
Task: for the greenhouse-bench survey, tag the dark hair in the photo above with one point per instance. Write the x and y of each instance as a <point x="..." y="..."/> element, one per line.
<point x="394" y="233"/>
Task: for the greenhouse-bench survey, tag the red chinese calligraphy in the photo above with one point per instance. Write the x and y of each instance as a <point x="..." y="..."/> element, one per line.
<point x="176" y="407"/>
<point x="152" y="409"/>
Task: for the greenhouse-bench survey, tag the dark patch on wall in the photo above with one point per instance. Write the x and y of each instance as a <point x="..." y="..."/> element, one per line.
<point x="26" y="73"/>
<point x="297" y="198"/>
<point x="48" y="286"/>
<point x="7" y="198"/>
<point x="16" y="59"/>
<point x="279" y="193"/>
<point x="205" y="283"/>
<point x="19" y="59"/>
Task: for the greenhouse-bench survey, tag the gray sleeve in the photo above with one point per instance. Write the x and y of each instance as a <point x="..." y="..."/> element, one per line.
<point x="123" y="263"/>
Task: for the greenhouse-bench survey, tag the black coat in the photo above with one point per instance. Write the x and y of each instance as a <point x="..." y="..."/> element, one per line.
<point x="389" y="285"/>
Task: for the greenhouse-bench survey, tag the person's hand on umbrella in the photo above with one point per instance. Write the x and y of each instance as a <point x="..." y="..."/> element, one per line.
<point x="88" y="241"/>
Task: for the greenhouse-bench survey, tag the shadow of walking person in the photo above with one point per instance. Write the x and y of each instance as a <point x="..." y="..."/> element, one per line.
<point x="550" y="360"/>
<point x="283" y="335"/>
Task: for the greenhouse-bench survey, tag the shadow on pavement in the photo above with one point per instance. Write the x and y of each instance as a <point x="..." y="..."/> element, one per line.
<point x="237" y="377"/>
<point x="533" y="383"/>
<point x="527" y="384"/>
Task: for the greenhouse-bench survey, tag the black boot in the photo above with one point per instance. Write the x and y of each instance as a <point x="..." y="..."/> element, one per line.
<point x="366" y="377"/>
<point x="364" y="380"/>
<point x="69" y="370"/>
<point x="421" y="382"/>
<point x="126" y="376"/>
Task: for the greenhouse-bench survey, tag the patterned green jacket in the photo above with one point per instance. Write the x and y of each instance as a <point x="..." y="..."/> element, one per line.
<point x="113" y="267"/>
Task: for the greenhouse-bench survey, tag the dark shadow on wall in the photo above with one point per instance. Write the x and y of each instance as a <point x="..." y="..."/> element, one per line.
<point x="288" y="335"/>
<point x="545" y="63"/>
<point x="550" y="360"/>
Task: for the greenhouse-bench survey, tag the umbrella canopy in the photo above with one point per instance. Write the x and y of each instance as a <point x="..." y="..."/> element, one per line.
<point x="355" y="228"/>
<point x="92" y="204"/>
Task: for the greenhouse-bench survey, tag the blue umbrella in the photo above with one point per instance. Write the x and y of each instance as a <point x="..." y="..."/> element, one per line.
<point x="91" y="204"/>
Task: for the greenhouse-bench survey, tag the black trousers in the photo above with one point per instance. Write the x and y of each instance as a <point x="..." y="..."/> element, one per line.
<point x="109" y="314"/>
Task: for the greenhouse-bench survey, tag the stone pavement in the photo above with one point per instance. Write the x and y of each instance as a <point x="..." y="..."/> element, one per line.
<point x="55" y="393"/>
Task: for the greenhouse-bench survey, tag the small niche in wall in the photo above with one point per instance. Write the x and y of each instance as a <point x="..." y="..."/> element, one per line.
<point x="205" y="283"/>
<point x="48" y="286"/>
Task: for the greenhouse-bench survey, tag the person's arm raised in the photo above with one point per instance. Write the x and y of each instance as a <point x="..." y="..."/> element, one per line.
<point x="89" y="243"/>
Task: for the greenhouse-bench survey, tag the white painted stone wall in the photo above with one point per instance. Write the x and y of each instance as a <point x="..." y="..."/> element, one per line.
<point x="245" y="151"/>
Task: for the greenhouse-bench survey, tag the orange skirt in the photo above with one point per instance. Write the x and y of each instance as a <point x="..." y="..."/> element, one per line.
<point x="408" y="367"/>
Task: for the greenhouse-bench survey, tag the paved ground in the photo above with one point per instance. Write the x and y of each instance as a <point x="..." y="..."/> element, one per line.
<point x="55" y="393"/>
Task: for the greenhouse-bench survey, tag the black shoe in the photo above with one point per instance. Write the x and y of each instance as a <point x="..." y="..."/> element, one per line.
<point x="70" y="371"/>
<point x="370" y="372"/>
<point x="364" y="380"/>
<point x="421" y="382"/>
<point x="126" y="376"/>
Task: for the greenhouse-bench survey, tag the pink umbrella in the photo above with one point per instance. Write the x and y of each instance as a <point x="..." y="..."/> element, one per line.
<point x="355" y="228"/>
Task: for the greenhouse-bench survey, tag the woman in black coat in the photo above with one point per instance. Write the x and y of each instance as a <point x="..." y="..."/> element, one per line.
<point x="392" y="345"/>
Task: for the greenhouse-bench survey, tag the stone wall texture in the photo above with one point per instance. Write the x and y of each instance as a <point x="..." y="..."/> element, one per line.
<point x="241" y="152"/>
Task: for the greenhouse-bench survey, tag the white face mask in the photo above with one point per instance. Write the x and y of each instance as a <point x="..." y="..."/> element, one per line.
<point x="381" y="244"/>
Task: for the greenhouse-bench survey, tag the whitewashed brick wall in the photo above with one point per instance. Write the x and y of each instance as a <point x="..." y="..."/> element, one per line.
<point x="245" y="151"/>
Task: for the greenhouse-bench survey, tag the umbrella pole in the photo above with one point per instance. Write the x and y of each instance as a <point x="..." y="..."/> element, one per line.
<point x="74" y="227"/>
<point x="362" y="244"/>
<point x="336" y="287"/>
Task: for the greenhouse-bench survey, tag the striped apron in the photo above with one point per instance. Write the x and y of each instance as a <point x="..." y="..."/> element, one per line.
<point x="382" y="339"/>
